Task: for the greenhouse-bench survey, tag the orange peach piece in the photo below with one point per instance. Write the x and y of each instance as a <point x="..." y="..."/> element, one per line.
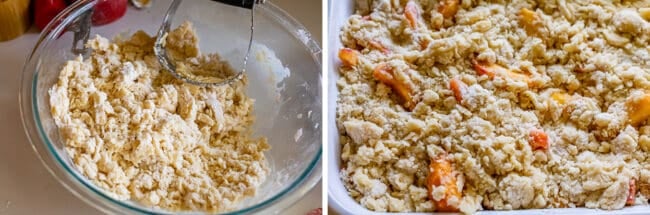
<point x="385" y="75"/>
<point x="448" y="8"/>
<point x="538" y="139"/>
<point x="424" y="43"/>
<point x="441" y="174"/>
<point x="486" y="69"/>
<point x="632" y="193"/>
<point x="348" y="57"/>
<point x="411" y="14"/>
<point x="639" y="110"/>
<point x="378" y="45"/>
<point x="492" y="70"/>
<point x="529" y="19"/>
<point x="458" y="88"/>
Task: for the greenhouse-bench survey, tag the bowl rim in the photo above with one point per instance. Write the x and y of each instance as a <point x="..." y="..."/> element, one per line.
<point x="71" y="178"/>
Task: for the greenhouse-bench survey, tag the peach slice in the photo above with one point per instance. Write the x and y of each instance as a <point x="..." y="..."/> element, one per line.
<point x="403" y="87"/>
<point x="529" y="20"/>
<point x="411" y="14"/>
<point x="441" y="174"/>
<point x="448" y="8"/>
<point x="639" y="110"/>
<point x="492" y="70"/>
<point x="632" y="193"/>
<point x="348" y="57"/>
<point x="458" y="88"/>
<point x="538" y="139"/>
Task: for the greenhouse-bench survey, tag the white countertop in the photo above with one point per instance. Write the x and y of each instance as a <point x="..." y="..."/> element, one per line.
<point x="26" y="187"/>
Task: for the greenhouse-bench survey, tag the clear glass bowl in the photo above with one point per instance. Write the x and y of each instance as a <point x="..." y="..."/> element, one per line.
<point x="285" y="83"/>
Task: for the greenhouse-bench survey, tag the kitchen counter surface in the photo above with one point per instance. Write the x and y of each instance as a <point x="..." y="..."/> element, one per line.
<point x="25" y="185"/>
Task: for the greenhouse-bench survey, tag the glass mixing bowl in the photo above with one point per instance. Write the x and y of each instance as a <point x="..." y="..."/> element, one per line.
<point x="284" y="73"/>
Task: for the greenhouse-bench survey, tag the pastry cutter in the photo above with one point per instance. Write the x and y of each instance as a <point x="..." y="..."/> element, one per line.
<point x="81" y="29"/>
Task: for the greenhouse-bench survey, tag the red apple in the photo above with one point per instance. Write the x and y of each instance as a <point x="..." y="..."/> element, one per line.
<point x="107" y="11"/>
<point x="46" y="10"/>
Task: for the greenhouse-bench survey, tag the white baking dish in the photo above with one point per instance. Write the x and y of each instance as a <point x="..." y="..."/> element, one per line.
<point x="338" y="198"/>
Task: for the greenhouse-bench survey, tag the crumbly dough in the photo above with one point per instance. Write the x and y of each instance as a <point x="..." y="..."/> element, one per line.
<point x="596" y="52"/>
<point x="192" y="68"/>
<point x="140" y="134"/>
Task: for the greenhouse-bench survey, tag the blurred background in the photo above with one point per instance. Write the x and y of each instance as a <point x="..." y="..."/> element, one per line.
<point x="25" y="185"/>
